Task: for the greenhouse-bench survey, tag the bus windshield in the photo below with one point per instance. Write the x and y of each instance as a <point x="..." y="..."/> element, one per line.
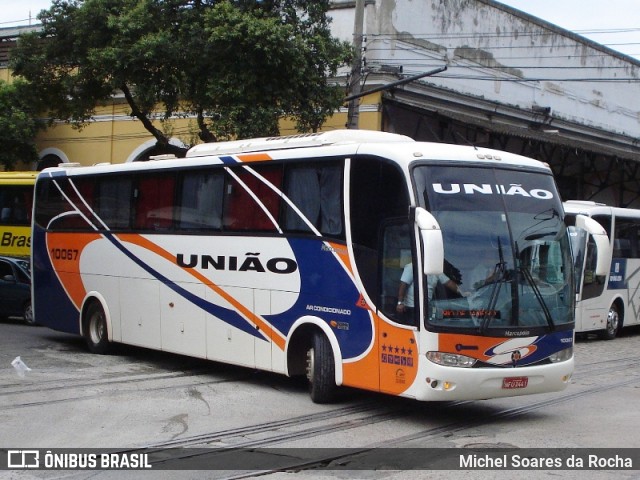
<point x="506" y="249"/>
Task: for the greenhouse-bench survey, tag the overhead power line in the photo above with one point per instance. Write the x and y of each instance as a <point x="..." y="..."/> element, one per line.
<point x="543" y="79"/>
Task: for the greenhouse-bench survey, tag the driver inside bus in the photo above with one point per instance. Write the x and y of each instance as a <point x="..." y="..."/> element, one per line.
<point x="405" y="304"/>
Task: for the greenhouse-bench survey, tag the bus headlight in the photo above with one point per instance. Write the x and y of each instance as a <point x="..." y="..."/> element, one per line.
<point x="562" y="355"/>
<point x="451" y="359"/>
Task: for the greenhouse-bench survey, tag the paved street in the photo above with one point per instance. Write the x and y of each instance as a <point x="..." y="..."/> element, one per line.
<point x="138" y="398"/>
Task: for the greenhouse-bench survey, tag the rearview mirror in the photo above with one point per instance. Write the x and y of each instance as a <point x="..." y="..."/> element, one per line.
<point x="432" y="242"/>
<point x="599" y="234"/>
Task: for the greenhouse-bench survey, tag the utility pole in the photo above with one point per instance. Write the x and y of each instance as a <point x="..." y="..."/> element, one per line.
<point x="356" y="67"/>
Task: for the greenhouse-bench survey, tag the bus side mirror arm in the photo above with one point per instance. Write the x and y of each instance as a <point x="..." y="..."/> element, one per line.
<point x="599" y="234"/>
<point x="432" y="242"/>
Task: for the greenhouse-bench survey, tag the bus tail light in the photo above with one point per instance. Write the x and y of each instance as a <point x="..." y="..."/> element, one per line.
<point x="451" y="359"/>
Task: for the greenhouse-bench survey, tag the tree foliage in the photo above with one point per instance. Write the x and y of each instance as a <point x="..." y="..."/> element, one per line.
<point x="18" y="125"/>
<point x="235" y="66"/>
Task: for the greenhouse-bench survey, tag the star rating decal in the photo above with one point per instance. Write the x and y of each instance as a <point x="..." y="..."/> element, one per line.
<point x="397" y="355"/>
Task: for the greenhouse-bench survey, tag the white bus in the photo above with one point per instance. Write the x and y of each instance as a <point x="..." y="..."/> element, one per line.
<point x="606" y="303"/>
<point x="286" y="254"/>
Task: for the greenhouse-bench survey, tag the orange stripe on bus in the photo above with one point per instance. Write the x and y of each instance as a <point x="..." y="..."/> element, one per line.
<point x="343" y="254"/>
<point x="254" y="157"/>
<point x="65" y="250"/>
<point x="274" y="335"/>
<point x="450" y="342"/>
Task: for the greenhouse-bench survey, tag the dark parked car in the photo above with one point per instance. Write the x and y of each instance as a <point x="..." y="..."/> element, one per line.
<point x="15" y="289"/>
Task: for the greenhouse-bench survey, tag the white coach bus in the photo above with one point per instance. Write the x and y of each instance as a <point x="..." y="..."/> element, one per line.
<point x="607" y="303"/>
<point x="288" y="254"/>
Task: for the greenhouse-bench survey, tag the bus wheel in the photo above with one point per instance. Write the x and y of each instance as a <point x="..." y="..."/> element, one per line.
<point x="321" y="370"/>
<point x="95" y="329"/>
<point x="613" y="324"/>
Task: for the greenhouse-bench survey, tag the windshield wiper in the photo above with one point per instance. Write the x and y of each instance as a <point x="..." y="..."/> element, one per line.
<point x="498" y="275"/>
<point x="547" y="314"/>
<point x="536" y="291"/>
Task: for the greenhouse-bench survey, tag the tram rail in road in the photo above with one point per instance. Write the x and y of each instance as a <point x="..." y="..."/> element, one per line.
<point x="141" y="400"/>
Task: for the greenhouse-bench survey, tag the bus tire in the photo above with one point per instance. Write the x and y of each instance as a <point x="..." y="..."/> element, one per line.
<point x="613" y="324"/>
<point x="321" y="369"/>
<point x="95" y="329"/>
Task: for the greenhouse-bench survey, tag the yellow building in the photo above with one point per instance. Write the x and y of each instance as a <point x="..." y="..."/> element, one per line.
<point x="113" y="136"/>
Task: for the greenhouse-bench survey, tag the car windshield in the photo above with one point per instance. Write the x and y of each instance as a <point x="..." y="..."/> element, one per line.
<point x="506" y="248"/>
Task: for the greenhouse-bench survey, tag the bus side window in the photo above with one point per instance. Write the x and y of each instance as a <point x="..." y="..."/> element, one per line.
<point x="50" y="203"/>
<point x="113" y="202"/>
<point x="80" y="192"/>
<point x="241" y="212"/>
<point x="154" y="202"/>
<point x="28" y="203"/>
<point x="16" y="204"/>
<point x="593" y="285"/>
<point x="621" y="248"/>
<point x="396" y="258"/>
<point x="200" y="205"/>
<point x="316" y="191"/>
<point x="627" y="241"/>
<point x="378" y="195"/>
<point x="605" y="221"/>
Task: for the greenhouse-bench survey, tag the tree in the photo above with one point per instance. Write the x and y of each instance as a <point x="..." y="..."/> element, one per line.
<point x="18" y="125"/>
<point x="236" y="66"/>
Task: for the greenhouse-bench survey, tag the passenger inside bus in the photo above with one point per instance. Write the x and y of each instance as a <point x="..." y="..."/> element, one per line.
<point x="13" y="211"/>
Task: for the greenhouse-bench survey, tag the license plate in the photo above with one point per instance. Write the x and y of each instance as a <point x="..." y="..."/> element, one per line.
<point x="515" y="382"/>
